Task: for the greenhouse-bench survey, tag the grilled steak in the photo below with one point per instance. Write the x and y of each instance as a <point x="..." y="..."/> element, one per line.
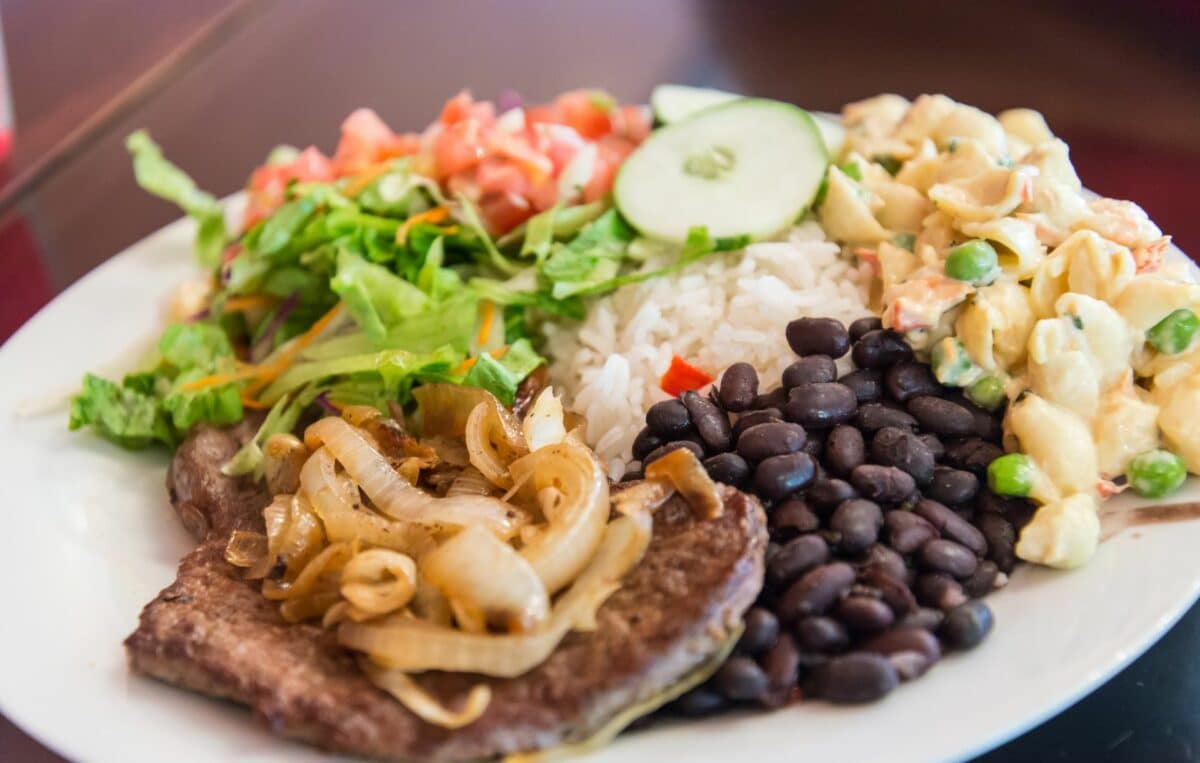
<point x="213" y="632"/>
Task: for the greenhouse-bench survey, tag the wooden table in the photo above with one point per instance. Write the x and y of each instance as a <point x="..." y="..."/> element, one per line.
<point x="1119" y="80"/>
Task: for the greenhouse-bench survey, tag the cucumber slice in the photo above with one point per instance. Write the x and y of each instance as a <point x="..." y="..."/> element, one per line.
<point x="748" y="167"/>
<point x="672" y="103"/>
<point x="832" y="132"/>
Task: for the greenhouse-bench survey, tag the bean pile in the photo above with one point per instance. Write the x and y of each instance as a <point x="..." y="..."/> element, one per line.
<point x="883" y="532"/>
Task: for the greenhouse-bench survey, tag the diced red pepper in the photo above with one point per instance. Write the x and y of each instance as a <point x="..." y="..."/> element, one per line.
<point x="682" y="376"/>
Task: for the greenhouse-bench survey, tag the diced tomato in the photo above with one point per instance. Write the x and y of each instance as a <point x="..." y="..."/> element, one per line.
<point x="544" y="195"/>
<point x="550" y="113"/>
<point x="682" y="376"/>
<point x="559" y="142"/>
<point x="499" y="176"/>
<point x="537" y="166"/>
<point x="588" y="111"/>
<point x="268" y="184"/>
<point x="504" y="211"/>
<point x="365" y="138"/>
<point x="611" y="151"/>
<point x="457" y="148"/>
<point x="463" y="107"/>
<point x="633" y="122"/>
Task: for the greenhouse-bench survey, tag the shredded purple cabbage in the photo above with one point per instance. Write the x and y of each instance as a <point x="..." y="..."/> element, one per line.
<point x="262" y="348"/>
<point x="323" y="401"/>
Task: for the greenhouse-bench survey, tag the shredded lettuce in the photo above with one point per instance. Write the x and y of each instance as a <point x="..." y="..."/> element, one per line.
<point x="157" y="175"/>
<point x="377" y="298"/>
<point x="502" y="376"/>
<point x="281" y="419"/>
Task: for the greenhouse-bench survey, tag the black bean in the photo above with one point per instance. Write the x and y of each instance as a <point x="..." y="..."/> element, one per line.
<point x="892" y="446"/>
<point x="815" y="591"/>
<point x="761" y="630"/>
<point x="966" y="625"/>
<point x="700" y="702"/>
<point x="912" y="651"/>
<point x="941" y="555"/>
<point x="781" y="663"/>
<point x="941" y="416"/>
<point x="973" y="455"/>
<point x="773" y="439"/>
<point x="952" y="486"/>
<point x="925" y="618"/>
<point x="934" y="443"/>
<point x="741" y="679"/>
<point x="909" y="379"/>
<point x="729" y="468"/>
<point x="886" y="561"/>
<point x="645" y="442"/>
<point x="710" y="422"/>
<point x="844" y="450"/>
<point x="987" y="424"/>
<point x="739" y="386"/>
<point x="865" y="383"/>
<point x="663" y="450"/>
<point x="952" y="526"/>
<point x="885" y="484"/>
<point x="668" y="419"/>
<point x="779" y="476"/>
<point x="856" y="677"/>
<point x="820" y="405"/>
<point x="791" y="518"/>
<point x="879" y="349"/>
<point x="776" y="398"/>
<point x="825" y="494"/>
<point x="875" y="416"/>
<point x="753" y="418"/>
<point x="907" y="532"/>
<point x="815" y="445"/>
<point x="795" y="558"/>
<point x="864" y="614"/>
<point x="818" y="336"/>
<point x="822" y="634"/>
<point x="934" y="589"/>
<point x="982" y="581"/>
<point x="863" y="326"/>
<point x="857" y="522"/>
<point x="892" y="589"/>
<point x="1001" y="539"/>
<point x="810" y="370"/>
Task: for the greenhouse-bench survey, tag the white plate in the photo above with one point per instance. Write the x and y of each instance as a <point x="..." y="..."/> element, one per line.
<point x="88" y="538"/>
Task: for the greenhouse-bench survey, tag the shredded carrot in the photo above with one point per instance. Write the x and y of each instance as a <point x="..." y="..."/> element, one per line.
<point x="364" y="179"/>
<point x="435" y="215"/>
<point x="249" y="402"/>
<point x="264" y="374"/>
<point x="466" y="365"/>
<point x="488" y="309"/>
<point x="242" y="304"/>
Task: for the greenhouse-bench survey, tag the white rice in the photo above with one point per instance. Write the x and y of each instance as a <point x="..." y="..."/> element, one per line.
<point x="720" y="311"/>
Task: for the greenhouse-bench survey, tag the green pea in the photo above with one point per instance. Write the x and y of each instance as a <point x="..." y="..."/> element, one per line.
<point x="975" y="262"/>
<point x="1155" y="473"/>
<point x="950" y="361"/>
<point x="987" y="393"/>
<point x="1173" y="334"/>
<point x="1011" y="474"/>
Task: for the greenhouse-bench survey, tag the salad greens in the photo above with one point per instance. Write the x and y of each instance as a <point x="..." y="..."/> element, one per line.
<point x="351" y="290"/>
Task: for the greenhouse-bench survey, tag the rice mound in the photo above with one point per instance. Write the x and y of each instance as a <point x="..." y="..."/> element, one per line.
<point x="728" y="308"/>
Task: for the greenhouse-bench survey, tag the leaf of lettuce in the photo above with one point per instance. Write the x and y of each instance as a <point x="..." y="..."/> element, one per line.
<point x="191" y="345"/>
<point x="128" y="414"/>
<point x="280" y="228"/>
<point x="219" y="405"/>
<point x="502" y="376"/>
<point x="281" y="419"/>
<point x="475" y="223"/>
<point x="158" y="176"/>
<point x="376" y="298"/>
